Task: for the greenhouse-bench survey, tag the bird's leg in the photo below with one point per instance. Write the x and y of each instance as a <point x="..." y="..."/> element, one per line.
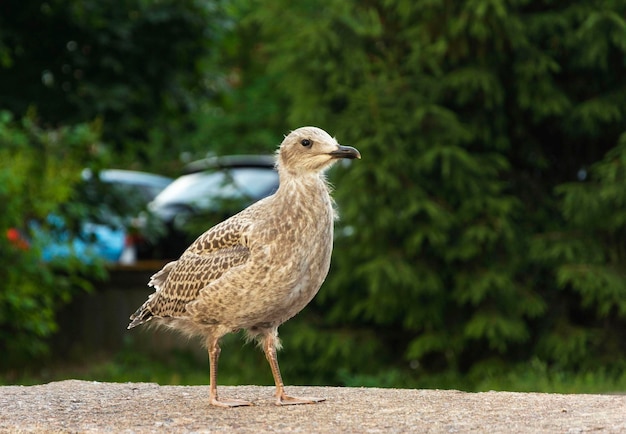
<point x="214" y="354"/>
<point x="269" y="347"/>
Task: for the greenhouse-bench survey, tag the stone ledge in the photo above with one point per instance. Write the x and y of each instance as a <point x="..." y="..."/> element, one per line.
<point x="83" y="406"/>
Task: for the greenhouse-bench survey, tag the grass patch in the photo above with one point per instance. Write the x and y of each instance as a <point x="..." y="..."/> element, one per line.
<point x="239" y="364"/>
<point x="245" y="364"/>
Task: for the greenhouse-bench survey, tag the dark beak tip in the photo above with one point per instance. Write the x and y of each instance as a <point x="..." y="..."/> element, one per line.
<point x="347" y="152"/>
<point x="354" y="154"/>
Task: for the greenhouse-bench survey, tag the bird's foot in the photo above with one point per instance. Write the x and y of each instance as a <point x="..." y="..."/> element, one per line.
<point x="229" y="402"/>
<point x="290" y="400"/>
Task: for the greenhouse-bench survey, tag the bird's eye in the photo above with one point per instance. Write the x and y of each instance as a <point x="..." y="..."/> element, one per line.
<point x="306" y="143"/>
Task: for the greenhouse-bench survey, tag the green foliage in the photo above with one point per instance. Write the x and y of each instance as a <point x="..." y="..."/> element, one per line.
<point x="141" y="66"/>
<point x="589" y="259"/>
<point x="38" y="169"/>
<point x="247" y="110"/>
<point x="482" y="235"/>
<point x="247" y="366"/>
<point x="467" y="115"/>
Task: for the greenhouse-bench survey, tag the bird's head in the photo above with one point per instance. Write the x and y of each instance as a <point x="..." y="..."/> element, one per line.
<point x="311" y="150"/>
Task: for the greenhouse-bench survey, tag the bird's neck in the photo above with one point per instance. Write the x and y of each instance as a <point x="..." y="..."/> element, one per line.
<point x="308" y="197"/>
<point x="313" y="179"/>
<point x="311" y="187"/>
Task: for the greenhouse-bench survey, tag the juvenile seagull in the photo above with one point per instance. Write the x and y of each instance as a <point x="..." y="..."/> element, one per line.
<point x="258" y="268"/>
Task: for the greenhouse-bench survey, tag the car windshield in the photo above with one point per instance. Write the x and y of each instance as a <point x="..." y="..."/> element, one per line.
<point x="202" y="188"/>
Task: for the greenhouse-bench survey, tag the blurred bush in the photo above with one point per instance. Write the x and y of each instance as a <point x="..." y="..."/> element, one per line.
<point x="38" y="171"/>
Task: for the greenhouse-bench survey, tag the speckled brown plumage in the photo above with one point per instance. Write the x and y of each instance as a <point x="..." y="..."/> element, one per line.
<point x="260" y="267"/>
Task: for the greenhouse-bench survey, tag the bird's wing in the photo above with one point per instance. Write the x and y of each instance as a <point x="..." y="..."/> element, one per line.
<point x="219" y="249"/>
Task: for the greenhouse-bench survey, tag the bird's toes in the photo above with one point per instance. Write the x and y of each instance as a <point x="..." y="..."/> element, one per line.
<point x="229" y="402"/>
<point x="290" y="400"/>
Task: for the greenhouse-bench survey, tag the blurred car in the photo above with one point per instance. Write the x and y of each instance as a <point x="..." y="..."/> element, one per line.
<point x="212" y="190"/>
<point x="108" y="202"/>
<point x="145" y="186"/>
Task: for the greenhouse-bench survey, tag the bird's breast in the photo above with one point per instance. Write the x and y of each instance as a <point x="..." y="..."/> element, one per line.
<point x="296" y="249"/>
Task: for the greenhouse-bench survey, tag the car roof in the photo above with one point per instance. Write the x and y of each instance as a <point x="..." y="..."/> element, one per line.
<point x="129" y="177"/>
<point x="230" y="161"/>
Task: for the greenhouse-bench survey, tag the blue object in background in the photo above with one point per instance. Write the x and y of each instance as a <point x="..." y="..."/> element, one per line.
<point x="97" y="241"/>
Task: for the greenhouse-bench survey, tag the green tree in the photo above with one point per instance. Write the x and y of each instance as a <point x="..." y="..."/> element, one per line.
<point x="143" y="67"/>
<point x="247" y="111"/>
<point x="588" y="258"/>
<point x="468" y="115"/>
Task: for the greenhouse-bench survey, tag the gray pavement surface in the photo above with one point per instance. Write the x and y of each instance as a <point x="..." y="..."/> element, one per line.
<point x="83" y="406"/>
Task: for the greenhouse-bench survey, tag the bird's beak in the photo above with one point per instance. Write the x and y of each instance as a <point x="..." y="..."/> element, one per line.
<point x="346" y="152"/>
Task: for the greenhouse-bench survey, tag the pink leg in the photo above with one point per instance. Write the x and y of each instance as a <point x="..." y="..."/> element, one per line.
<point x="269" y="347"/>
<point x="214" y="354"/>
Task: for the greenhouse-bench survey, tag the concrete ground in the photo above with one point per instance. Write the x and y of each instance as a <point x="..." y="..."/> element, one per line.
<point x="82" y="406"/>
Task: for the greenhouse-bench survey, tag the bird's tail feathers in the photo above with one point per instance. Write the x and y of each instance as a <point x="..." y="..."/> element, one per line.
<point x="142" y="315"/>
